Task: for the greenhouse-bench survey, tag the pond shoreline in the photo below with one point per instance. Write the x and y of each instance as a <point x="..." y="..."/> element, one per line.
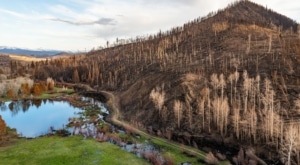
<point x="111" y="103"/>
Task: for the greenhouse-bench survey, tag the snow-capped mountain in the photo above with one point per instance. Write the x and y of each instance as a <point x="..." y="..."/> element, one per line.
<point x="24" y="51"/>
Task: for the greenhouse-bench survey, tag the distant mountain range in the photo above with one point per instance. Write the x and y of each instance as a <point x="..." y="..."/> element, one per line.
<point x="36" y="53"/>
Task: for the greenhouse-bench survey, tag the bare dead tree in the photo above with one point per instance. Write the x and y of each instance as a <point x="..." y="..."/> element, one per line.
<point x="205" y="92"/>
<point x="215" y="83"/>
<point x="290" y="144"/>
<point x="178" y="111"/>
<point x="157" y="95"/>
<point x="236" y="118"/>
<point x="224" y="115"/>
<point x="270" y="43"/>
<point x="231" y="78"/>
<point x="222" y="84"/>
<point x="201" y="110"/>
<point x="246" y="88"/>
<point x="236" y="73"/>
<point x="216" y="106"/>
<point x="257" y="81"/>
<point x="249" y="44"/>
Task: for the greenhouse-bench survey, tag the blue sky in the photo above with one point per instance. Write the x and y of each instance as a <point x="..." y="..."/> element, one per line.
<point x="80" y="25"/>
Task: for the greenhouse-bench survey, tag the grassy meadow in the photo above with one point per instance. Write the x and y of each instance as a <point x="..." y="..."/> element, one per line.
<point x="73" y="150"/>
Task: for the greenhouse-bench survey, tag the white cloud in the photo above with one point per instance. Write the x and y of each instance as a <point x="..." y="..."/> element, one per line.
<point x="62" y="10"/>
<point x="55" y="24"/>
<point x="12" y="13"/>
<point x="24" y="16"/>
<point x="101" y="21"/>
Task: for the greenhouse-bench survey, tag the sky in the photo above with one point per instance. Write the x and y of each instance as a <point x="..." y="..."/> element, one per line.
<point x="81" y="25"/>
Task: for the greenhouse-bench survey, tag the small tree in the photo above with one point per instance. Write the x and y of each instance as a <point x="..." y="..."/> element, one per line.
<point x="10" y="93"/>
<point x="25" y="89"/>
<point x="2" y="127"/>
<point x="36" y="89"/>
<point x="43" y="86"/>
<point x="50" y="83"/>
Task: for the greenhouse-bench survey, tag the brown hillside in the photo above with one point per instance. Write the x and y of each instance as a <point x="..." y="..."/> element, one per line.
<point x="233" y="73"/>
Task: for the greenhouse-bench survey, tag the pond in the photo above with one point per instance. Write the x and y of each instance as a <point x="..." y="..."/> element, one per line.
<point x="33" y="118"/>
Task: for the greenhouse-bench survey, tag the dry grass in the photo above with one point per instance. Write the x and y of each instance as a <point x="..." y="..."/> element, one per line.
<point x="220" y="26"/>
<point x="25" y="58"/>
<point x="191" y="77"/>
<point x="251" y="28"/>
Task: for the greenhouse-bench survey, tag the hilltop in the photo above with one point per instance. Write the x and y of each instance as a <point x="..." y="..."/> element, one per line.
<point x="226" y="80"/>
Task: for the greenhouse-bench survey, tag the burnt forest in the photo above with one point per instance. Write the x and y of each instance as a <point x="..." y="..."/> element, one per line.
<point x="228" y="82"/>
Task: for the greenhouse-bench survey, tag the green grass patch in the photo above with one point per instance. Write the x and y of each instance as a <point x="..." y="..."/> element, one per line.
<point x="176" y="154"/>
<point x="55" y="93"/>
<point x="47" y="95"/>
<point x="6" y="98"/>
<point x="179" y="155"/>
<point x="70" y="150"/>
<point x="65" y="90"/>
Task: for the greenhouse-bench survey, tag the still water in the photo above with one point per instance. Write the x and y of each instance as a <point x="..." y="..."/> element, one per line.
<point x="33" y="118"/>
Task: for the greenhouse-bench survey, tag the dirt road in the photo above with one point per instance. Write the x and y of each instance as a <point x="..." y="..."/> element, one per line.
<point x="113" y="105"/>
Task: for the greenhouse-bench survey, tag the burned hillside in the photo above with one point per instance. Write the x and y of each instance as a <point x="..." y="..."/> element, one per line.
<point x="233" y="73"/>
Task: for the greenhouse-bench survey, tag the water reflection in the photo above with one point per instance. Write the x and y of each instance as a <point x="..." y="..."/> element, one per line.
<point x="3" y="106"/>
<point x="37" y="102"/>
<point x="25" y="105"/>
<point x="33" y="118"/>
<point x="95" y="103"/>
